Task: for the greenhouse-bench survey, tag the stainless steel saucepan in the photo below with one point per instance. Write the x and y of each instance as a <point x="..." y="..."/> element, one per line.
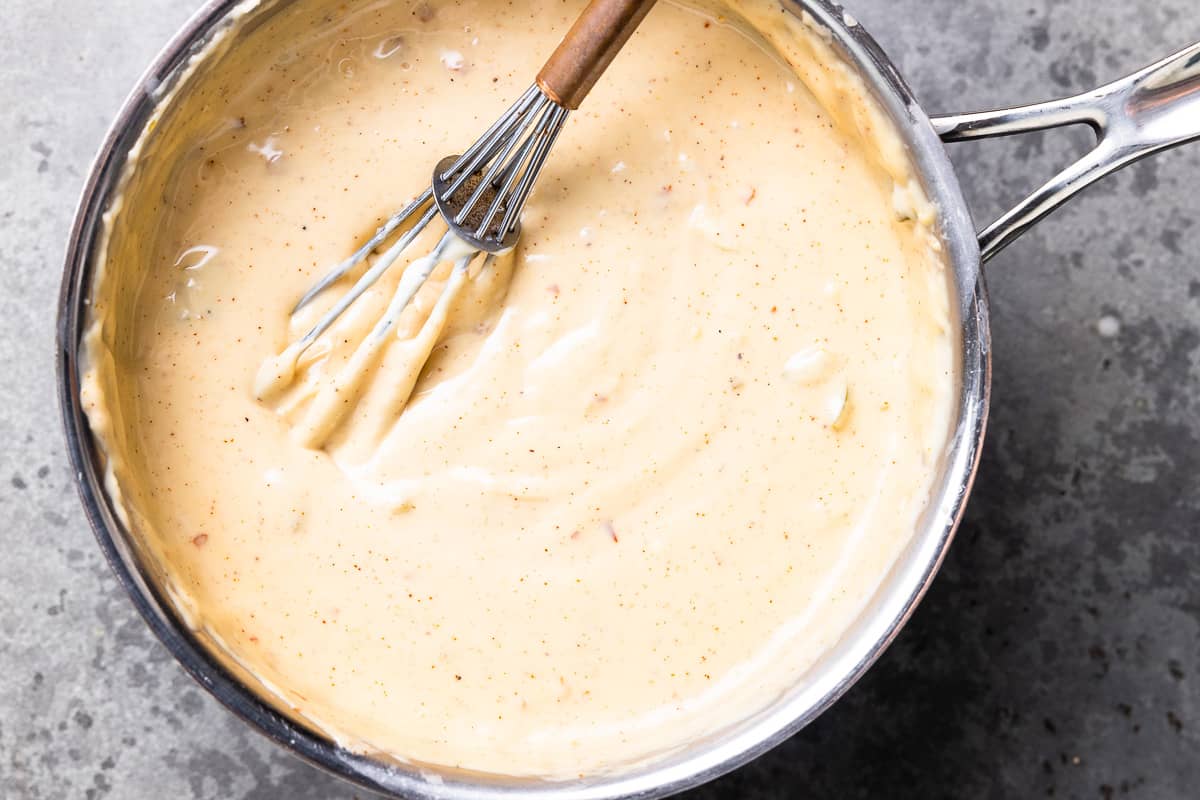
<point x="1154" y="109"/>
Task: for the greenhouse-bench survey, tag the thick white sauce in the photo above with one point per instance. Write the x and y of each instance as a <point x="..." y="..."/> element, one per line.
<point x="577" y="508"/>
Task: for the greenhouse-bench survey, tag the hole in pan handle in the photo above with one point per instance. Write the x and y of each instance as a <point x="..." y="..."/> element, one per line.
<point x="1153" y="109"/>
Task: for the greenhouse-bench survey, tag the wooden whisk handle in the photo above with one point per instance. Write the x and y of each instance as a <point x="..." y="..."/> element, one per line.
<point x="588" y="48"/>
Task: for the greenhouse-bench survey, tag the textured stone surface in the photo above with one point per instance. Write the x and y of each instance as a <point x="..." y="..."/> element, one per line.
<point x="1057" y="653"/>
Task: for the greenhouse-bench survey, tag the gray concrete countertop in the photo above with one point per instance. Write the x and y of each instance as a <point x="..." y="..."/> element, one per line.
<point x="1058" y="653"/>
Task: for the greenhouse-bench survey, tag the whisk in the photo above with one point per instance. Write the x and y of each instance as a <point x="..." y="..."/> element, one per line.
<point x="481" y="193"/>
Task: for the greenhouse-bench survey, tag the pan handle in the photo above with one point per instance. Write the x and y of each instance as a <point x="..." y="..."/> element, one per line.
<point x="1153" y="109"/>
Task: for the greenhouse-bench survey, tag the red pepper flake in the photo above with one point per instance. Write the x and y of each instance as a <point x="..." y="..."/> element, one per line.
<point x="253" y="638"/>
<point x="575" y="535"/>
<point x="200" y="540"/>
<point x="752" y="195"/>
<point x="608" y="527"/>
<point x="774" y="309"/>
<point x="668" y="188"/>
<point x="553" y="289"/>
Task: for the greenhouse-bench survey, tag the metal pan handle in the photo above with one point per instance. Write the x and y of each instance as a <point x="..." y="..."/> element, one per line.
<point x="1153" y="109"/>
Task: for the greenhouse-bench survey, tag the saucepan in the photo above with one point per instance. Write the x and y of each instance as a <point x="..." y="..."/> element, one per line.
<point x="1151" y="110"/>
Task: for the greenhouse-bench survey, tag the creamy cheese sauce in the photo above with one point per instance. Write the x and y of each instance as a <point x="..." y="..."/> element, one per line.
<point x="580" y="505"/>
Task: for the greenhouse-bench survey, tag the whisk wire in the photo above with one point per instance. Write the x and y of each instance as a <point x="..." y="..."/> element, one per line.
<point x="366" y="281"/>
<point x="513" y="169"/>
<point x="384" y="231"/>
<point x="479" y="153"/>
<point x="487" y="145"/>
<point x="414" y="277"/>
<point x="504" y="162"/>
<point x="545" y="139"/>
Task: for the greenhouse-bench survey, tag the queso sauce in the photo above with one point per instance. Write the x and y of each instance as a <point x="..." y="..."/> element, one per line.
<point x="607" y="494"/>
